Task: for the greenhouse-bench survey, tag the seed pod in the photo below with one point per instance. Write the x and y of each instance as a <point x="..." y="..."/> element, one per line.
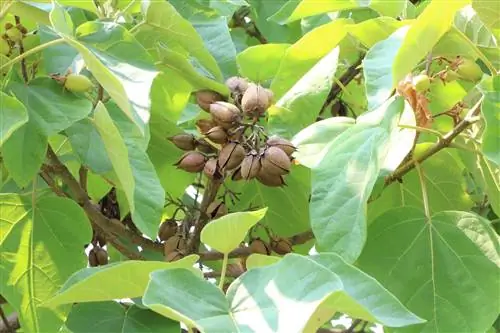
<point x="450" y="76"/>
<point x="4" y="47"/>
<point x="93" y="258"/>
<point x="469" y="70"/>
<point x="231" y="156"/>
<point x="204" y="147"/>
<point x="275" y="161"/>
<point x="281" y="245"/>
<point x="183" y="141"/>
<point x="211" y="170"/>
<point x="217" y="209"/>
<point x="250" y="166"/>
<point x="282" y="144"/>
<point x="259" y="246"/>
<point x="77" y="83"/>
<point x="421" y="82"/>
<point x="255" y="101"/>
<point x="101" y="256"/>
<point x="191" y="161"/>
<point x="217" y="134"/>
<point x="206" y="97"/>
<point x="176" y="242"/>
<point x="270" y="179"/>
<point x="237" y="85"/>
<point x="204" y="125"/>
<point x="174" y="256"/>
<point x="236" y="175"/>
<point x="14" y="34"/>
<point x="167" y="229"/>
<point x="225" y="114"/>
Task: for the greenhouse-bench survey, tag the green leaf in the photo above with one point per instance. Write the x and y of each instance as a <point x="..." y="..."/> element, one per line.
<point x="314" y="141"/>
<point x="163" y="23"/>
<point x="61" y="21"/>
<point x="127" y="279"/>
<point x="12" y="116"/>
<point x="489" y="13"/>
<point x="416" y="267"/>
<point x="321" y="286"/>
<point x="89" y="146"/>
<point x="227" y="232"/>
<point x="344" y="179"/>
<point x="260" y="260"/>
<point x="57" y="58"/>
<point x="261" y="62"/>
<point x="113" y="317"/>
<point x="377" y="67"/>
<point x="24" y="152"/>
<point x="468" y="22"/>
<point x="489" y="109"/>
<point x="300" y="105"/>
<point x="305" y="53"/>
<point x="372" y="31"/>
<point x="40" y="247"/>
<point x="444" y="182"/>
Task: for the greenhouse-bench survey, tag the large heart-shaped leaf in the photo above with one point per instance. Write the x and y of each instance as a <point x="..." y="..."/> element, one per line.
<point x="344" y="179"/>
<point x="127" y="279"/>
<point x="434" y="263"/>
<point x="489" y="13"/>
<point x="112" y="317"/>
<point x="227" y="232"/>
<point x="489" y="108"/>
<point x="297" y="294"/>
<point x="261" y="62"/>
<point x="370" y="32"/>
<point x="12" y="114"/>
<point x="41" y="245"/>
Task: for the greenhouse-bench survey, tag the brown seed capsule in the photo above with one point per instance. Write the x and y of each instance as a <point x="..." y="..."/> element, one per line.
<point x="217" y="209"/>
<point x="183" y="141"/>
<point x="167" y="229"/>
<point x="101" y="240"/>
<point x="236" y="175"/>
<point x="275" y="161"/>
<point x="8" y="25"/>
<point x="250" y="166"/>
<point x="259" y="246"/>
<point x="281" y="245"/>
<point x="211" y="170"/>
<point x="174" y="256"/>
<point x="206" y="97"/>
<point x="217" y="134"/>
<point x="270" y="179"/>
<point x="237" y="85"/>
<point x="204" y="125"/>
<point x="93" y="258"/>
<point x="255" y="101"/>
<point x="176" y="242"/>
<point x="282" y="144"/>
<point x="191" y="161"/>
<point x="225" y="114"/>
<point x="231" y="156"/>
<point x="101" y="255"/>
<point x="204" y="147"/>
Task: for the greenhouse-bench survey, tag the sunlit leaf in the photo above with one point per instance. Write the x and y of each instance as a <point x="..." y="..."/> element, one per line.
<point x="261" y="62"/>
<point x="12" y="114"/>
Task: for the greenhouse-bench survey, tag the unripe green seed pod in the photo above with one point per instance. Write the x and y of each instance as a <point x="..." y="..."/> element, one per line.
<point x="421" y="83"/>
<point x="469" y="70"/>
<point x="77" y="83"/>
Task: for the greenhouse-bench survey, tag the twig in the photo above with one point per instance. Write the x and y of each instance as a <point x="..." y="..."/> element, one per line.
<point x="5" y="321"/>
<point x="13" y="321"/>
<point x="354" y="323"/>
<point x="21" y="51"/>
<point x="442" y="143"/>
<point x="347" y="77"/>
<point x="52" y="184"/>
<point x="82" y="174"/>
<point x="249" y="27"/>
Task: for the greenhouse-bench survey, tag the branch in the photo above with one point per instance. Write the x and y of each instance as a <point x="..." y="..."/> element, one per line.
<point x="52" y="184"/>
<point x="13" y="322"/>
<point x="249" y="27"/>
<point x="442" y="143"/>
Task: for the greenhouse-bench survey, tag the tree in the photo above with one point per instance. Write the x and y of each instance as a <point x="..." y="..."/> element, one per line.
<point x="249" y="166"/>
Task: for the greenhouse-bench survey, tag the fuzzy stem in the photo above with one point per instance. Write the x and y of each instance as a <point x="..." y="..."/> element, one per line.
<point x="223" y="272"/>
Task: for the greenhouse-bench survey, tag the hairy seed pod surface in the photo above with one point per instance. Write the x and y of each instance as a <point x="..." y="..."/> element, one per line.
<point x="275" y="161"/>
<point x="281" y="245"/>
<point x="204" y="125"/>
<point x="259" y="246"/>
<point x="283" y="144"/>
<point x="211" y="169"/>
<point x="217" y="134"/>
<point x="250" y="166"/>
<point x="270" y="180"/>
<point x="231" y="156"/>
<point x="167" y="229"/>
<point x="183" y="141"/>
<point x="206" y="97"/>
<point x="255" y="101"/>
<point x="192" y="161"/>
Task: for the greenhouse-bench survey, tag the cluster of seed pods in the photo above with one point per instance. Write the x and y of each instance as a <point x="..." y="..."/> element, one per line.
<point x="232" y="143"/>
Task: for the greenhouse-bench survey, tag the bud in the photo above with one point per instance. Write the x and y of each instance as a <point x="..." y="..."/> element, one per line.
<point x="250" y="166"/>
<point x="259" y="246"/>
<point x="191" y="161"/>
<point x="176" y="242"/>
<point x="225" y="114"/>
<point x="206" y="97"/>
<point x="217" y="209"/>
<point x="211" y="169"/>
<point x="77" y="83"/>
<point x="101" y="256"/>
<point x="174" y="256"/>
<point x="421" y="83"/>
<point x="270" y="179"/>
<point x="204" y="125"/>
<point x="101" y="240"/>
<point x="282" y="144"/>
<point x="450" y="76"/>
<point x="204" y="147"/>
<point x="167" y="229"/>
<point x="231" y="156"/>
<point x="93" y="258"/>
<point x="281" y="245"/>
<point x="469" y="70"/>
<point x="237" y="85"/>
<point x="217" y="134"/>
<point x="275" y="161"/>
<point x="256" y="100"/>
<point x="183" y="141"/>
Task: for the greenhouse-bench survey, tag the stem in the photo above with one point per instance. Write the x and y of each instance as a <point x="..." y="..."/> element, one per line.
<point x="31" y="51"/>
<point x="425" y="197"/>
<point x="82" y="173"/>
<point x="223" y="272"/>
<point x="422" y="129"/>
<point x="21" y="51"/>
